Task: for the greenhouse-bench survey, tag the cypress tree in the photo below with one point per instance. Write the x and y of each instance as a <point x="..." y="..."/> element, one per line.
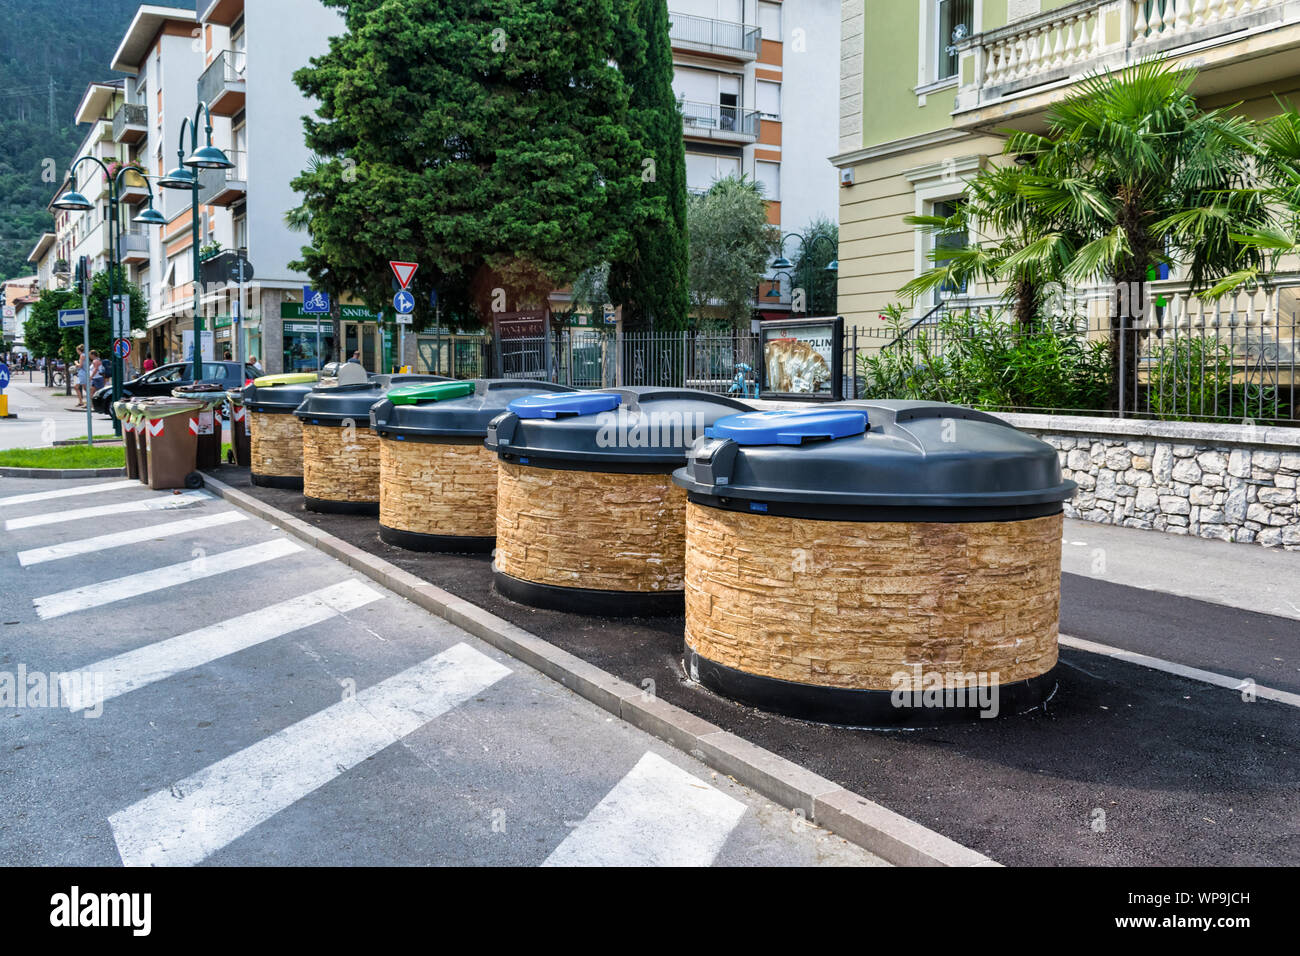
<point x="649" y="280"/>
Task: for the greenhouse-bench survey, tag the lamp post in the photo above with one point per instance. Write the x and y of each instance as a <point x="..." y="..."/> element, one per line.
<point x="186" y="176"/>
<point x="73" y="200"/>
<point x="806" y="246"/>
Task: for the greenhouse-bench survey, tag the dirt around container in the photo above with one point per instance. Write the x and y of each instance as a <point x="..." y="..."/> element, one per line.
<point x="171" y="427"/>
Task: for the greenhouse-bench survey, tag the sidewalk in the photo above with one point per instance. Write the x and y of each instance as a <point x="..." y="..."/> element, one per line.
<point x="45" y="415"/>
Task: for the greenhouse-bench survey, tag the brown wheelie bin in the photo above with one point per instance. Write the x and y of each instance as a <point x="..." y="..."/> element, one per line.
<point x="122" y="412"/>
<point x="171" y="431"/>
<point x="213" y="397"/>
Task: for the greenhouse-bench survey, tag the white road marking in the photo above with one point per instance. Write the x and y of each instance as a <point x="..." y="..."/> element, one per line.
<point x="1182" y="670"/>
<point x="104" y="542"/>
<point x="145" y="582"/>
<point x="135" y="669"/>
<point x="165" y="502"/>
<point x="68" y="492"/>
<point x="195" y="817"/>
<point x="658" y="815"/>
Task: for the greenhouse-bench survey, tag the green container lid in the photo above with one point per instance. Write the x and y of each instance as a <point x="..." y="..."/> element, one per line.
<point x="429" y="392"/>
<point x="289" y="378"/>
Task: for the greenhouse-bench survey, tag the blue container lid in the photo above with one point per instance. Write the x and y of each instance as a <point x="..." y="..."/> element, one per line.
<point x="789" y="427"/>
<point x="556" y="406"/>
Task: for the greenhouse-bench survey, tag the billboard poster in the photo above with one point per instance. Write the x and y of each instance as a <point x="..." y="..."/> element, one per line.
<point x="803" y="359"/>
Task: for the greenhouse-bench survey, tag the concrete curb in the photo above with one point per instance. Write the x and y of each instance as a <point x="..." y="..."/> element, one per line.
<point x="876" y="829"/>
<point x="62" y="472"/>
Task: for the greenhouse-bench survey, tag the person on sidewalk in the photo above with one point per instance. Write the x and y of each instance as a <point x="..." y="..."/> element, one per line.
<point x="80" y="382"/>
<point x="149" y="364"/>
<point x="96" y="375"/>
<point x="252" y="360"/>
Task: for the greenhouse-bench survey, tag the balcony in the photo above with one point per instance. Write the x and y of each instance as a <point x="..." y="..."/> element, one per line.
<point x="711" y="121"/>
<point x="222" y="84"/>
<point x="134" y="189"/>
<point x="130" y="123"/>
<point x="133" y="245"/>
<point x="1010" y="75"/>
<point x="719" y="38"/>
<point x="225" y="187"/>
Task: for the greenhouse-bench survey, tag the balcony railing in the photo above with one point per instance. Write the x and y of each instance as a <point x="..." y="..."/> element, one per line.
<point x="711" y="117"/>
<point x="702" y="31"/>
<point x="225" y="75"/>
<point x="1094" y="35"/>
<point x="221" y="187"/>
<point x="130" y="122"/>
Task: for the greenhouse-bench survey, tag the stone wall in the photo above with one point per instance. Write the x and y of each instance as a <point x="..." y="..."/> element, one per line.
<point x="1228" y="482"/>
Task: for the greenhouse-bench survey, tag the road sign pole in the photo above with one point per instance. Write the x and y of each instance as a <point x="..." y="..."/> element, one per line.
<point x="237" y="321"/>
<point x="84" y="267"/>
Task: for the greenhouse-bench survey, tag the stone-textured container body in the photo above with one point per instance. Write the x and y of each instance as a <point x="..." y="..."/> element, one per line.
<point x="340" y="454"/>
<point x="437" y="482"/>
<point x="873" y="563"/>
<point x="275" y="435"/>
<point x="588" y="518"/>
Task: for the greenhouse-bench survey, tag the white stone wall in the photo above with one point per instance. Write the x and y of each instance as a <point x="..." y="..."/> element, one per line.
<point x="1229" y="482"/>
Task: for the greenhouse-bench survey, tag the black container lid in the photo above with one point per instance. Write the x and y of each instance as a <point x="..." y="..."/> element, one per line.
<point x="410" y="413"/>
<point x="640" y="429"/>
<point x="335" y="404"/>
<point x="882" y="460"/>
<point x="270" y="396"/>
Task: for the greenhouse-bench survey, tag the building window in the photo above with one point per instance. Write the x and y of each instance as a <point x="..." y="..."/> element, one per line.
<point x="955" y="19"/>
<point x="769" y="21"/>
<point x="769" y="99"/>
<point x="946" y="208"/>
<point x="702" y="170"/>
<point x="769" y="174"/>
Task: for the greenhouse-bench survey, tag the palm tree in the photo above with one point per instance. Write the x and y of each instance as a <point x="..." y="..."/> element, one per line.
<point x="1141" y="176"/>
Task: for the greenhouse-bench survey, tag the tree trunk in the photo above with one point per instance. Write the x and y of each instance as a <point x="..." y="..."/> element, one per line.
<point x="1130" y="307"/>
<point x="1025" y="305"/>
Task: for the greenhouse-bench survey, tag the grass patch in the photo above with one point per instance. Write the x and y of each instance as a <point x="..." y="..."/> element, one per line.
<point x="71" y="456"/>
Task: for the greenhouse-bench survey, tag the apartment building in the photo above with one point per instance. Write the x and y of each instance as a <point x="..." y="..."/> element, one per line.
<point x="757" y="81"/>
<point x="927" y="86"/>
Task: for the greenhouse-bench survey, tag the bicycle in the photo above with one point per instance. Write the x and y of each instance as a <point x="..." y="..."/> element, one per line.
<point x="740" y="384"/>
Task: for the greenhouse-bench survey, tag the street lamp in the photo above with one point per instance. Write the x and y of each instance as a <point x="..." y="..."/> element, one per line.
<point x="806" y="246"/>
<point x="73" y="200"/>
<point x="185" y="176"/>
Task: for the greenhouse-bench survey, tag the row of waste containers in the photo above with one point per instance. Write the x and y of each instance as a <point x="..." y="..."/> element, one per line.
<point x="833" y="562"/>
<point x="170" y="441"/>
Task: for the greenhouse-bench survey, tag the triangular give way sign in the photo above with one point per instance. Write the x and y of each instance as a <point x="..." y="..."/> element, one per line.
<point x="405" y="272"/>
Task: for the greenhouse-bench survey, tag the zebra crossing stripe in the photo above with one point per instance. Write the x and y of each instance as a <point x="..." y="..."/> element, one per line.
<point x="147" y="665"/>
<point x="146" y="582"/>
<point x="185" y="823"/>
<point x="164" y="502"/>
<point x="67" y="492"/>
<point x="658" y="815"/>
<point x="104" y="542"/>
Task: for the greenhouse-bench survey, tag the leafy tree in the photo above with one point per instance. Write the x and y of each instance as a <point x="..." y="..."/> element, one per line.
<point x="818" y="248"/>
<point x="41" y="331"/>
<point x="650" y="279"/>
<point x="487" y="140"/>
<point x="731" y="244"/>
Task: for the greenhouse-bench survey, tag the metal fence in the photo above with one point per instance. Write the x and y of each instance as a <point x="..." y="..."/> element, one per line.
<point x="1184" y="359"/>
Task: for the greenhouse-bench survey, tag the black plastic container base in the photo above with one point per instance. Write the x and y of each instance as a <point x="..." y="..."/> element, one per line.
<point x="590" y="601"/>
<point x="451" y="543"/>
<point x="860" y="708"/>
<point x="327" y="507"/>
<point x="277" y="481"/>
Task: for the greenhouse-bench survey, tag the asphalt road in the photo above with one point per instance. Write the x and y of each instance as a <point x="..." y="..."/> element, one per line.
<point x="1126" y="765"/>
<point x="232" y="697"/>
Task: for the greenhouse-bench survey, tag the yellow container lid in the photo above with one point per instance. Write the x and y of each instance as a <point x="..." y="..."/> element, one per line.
<point x="289" y="378"/>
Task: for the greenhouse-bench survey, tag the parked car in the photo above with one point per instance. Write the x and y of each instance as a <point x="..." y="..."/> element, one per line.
<point x="164" y="378"/>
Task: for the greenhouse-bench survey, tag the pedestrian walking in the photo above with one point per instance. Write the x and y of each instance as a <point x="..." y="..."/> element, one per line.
<point x="149" y="364"/>
<point x="80" y="382"/>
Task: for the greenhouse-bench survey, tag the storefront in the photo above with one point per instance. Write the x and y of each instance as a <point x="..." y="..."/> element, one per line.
<point x="360" y="333"/>
<point x="225" y="342"/>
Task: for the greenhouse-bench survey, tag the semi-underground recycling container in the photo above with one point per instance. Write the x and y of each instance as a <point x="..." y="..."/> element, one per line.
<point x="873" y="563"/>
<point x="275" y="434"/>
<point x="588" y="519"/>
<point x="239" y="429"/>
<point x="437" y="481"/>
<point x="213" y="397"/>
<point x="340" y="454"/>
<point x="123" y="413"/>
<point x="171" y="429"/>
